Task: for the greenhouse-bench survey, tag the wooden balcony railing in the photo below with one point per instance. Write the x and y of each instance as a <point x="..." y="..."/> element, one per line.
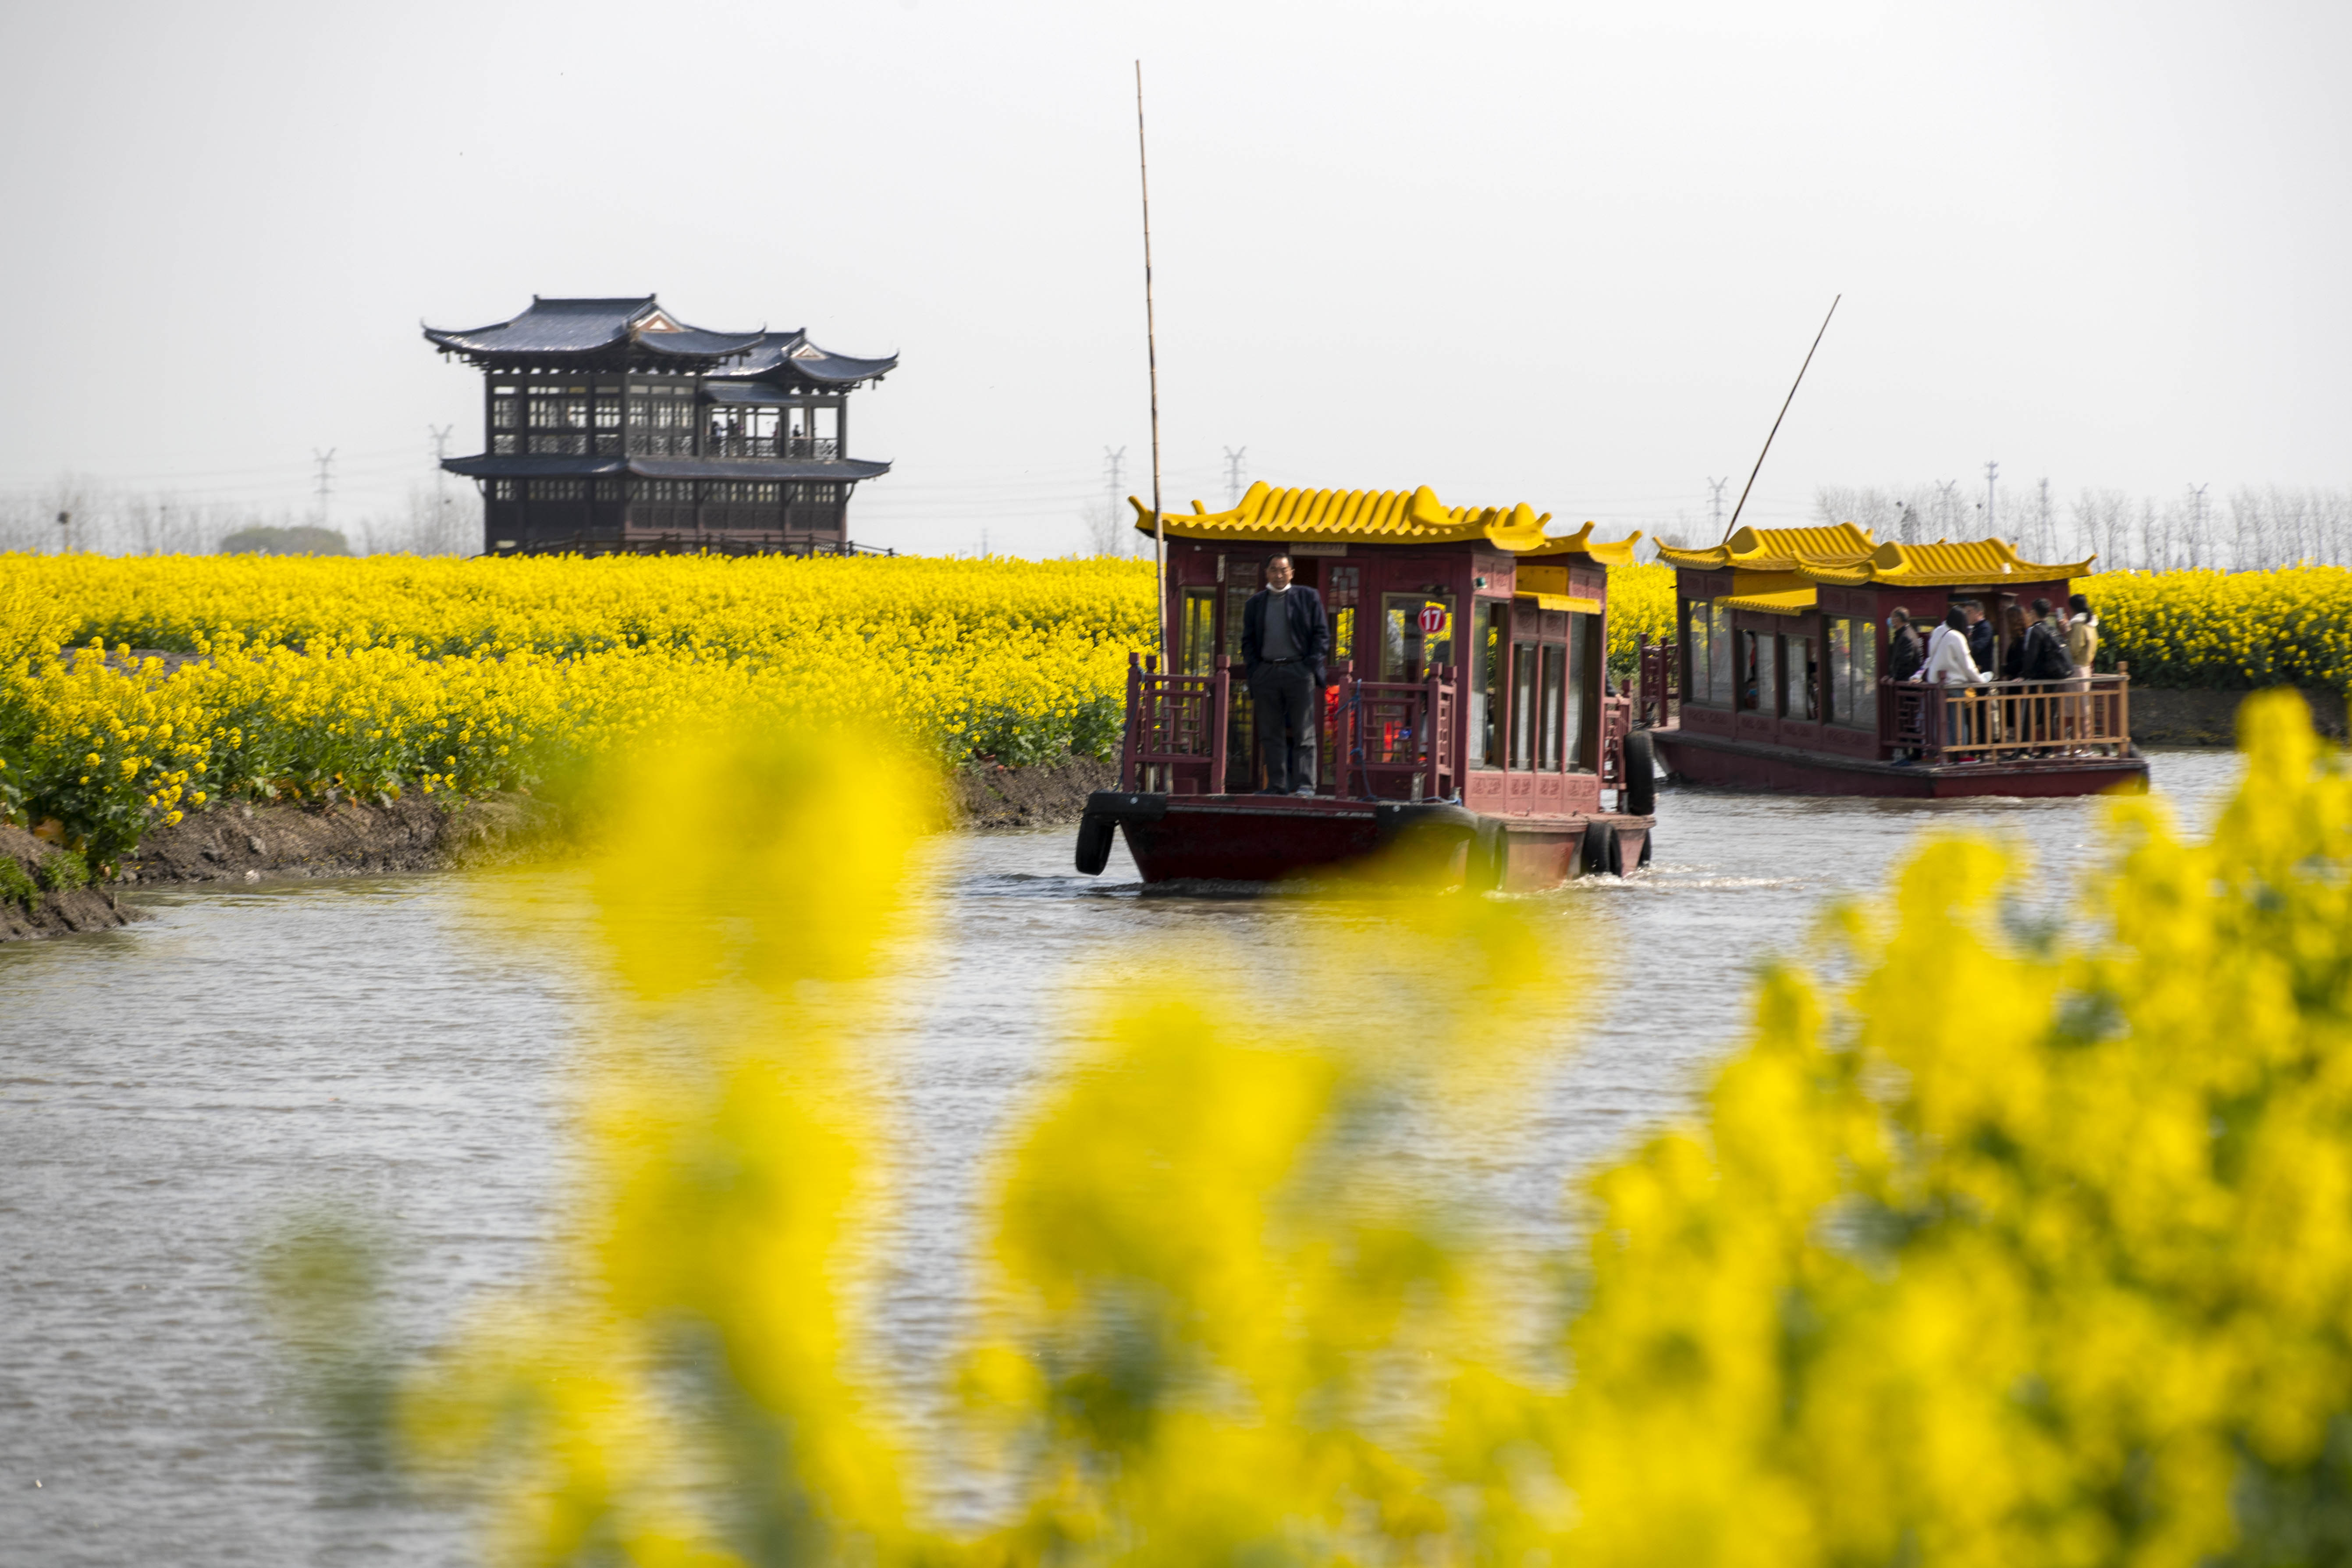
<point x="1174" y="743"/>
<point x="2007" y="721"/>
<point x="1387" y="740"/>
<point x="1396" y="737"/>
<point x="718" y="444"/>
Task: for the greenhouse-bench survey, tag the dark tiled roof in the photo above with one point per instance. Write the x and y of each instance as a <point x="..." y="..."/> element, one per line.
<point x="534" y="468"/>
<point x="792" y="351"/>
<point x="756" y="392"/>
<point x="585" y="326"/>
<point x="695" y="341"/>
<point x="551" y="467"/>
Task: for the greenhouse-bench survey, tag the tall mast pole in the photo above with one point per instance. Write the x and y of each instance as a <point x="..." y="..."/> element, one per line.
<point x="1152" y="353"/>
<point x="1776" y="423"/>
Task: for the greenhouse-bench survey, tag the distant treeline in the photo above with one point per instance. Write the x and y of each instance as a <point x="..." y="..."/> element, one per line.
<point x="2251" y="527"/>
<point x="85" y="515"/>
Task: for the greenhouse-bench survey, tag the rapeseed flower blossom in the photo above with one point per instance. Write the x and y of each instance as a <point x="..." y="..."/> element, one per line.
<point x="1996" y="1241"/>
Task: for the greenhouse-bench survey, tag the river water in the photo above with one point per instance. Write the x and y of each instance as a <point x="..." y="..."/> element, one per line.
<point x="173" y="1092"/>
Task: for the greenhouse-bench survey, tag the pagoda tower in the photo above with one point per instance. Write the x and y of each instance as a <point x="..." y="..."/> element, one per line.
<point x="609" y="426"/>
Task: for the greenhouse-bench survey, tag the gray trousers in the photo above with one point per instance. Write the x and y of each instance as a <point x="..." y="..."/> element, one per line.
<point x="1283" y="698"/>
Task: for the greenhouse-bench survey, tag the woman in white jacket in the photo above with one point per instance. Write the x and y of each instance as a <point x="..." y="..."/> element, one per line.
<point x="1950" y="663"/>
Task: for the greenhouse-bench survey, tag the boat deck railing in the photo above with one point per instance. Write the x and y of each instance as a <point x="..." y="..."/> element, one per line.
<point x="1387" y="740"/>
<point x="2007" y="721"/>
<point x="1992" y="721"/>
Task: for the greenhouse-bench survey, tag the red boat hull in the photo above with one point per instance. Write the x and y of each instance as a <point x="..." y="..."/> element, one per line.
<point x="1750" y="765"/>
<point x="1252" y="838"/>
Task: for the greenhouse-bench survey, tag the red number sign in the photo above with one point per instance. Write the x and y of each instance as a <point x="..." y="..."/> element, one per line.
<point x="1432" y="619"/>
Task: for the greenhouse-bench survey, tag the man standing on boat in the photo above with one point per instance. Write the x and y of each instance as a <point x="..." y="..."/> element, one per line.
<point x="1285" y="636"/>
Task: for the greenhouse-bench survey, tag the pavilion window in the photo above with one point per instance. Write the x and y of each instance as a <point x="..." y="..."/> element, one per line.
<point x="506" y="410"/>
<point x="742" y="433"/>
<point x="661" y="421"/>
<point x="502" y="489"/>
<point x="558" y="416"/>
<point x="608" y="490"/>
<point x="1722" y="653"/>
<point x="812" y="431"/>
<point x="559" y="489"/>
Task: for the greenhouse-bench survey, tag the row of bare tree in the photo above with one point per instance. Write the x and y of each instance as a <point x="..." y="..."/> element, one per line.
<point x="85" y="514"/>
<point x="2252" y="527"/>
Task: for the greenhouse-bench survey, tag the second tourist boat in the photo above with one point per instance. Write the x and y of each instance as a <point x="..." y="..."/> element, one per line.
<point x="1780" y="677"/>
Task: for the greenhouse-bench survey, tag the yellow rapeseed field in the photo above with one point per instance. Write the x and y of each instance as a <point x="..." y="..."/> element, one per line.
<point x="380" y="675"/>
<point x="373" y="677"/>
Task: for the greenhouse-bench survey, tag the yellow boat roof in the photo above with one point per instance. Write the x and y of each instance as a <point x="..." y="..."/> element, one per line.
<point x="1848" y="556"/>
<point x="1267" y="515"/>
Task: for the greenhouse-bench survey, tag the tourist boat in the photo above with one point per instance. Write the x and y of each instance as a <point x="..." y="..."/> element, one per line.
<point x="1468" y="712"/>
<point x="1777" y="679"/>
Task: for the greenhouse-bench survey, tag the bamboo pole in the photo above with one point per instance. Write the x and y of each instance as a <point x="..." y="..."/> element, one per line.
<point x="1152" y="353"/>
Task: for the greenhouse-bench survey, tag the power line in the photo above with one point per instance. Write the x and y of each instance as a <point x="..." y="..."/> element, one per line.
<point x="1233" y="474"/>
<point x="1717" y="485"/>
<point x="1992" y="529"/>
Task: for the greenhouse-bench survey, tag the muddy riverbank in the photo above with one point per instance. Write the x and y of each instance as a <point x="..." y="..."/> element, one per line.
<point x="46" y="893"/>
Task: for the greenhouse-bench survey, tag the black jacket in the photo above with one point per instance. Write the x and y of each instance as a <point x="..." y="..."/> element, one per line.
<point x="1903" y="656"/>
<point x="1983" y="644"/>
<point x="2045" y="655"/>
<point x="1310" y="629"/>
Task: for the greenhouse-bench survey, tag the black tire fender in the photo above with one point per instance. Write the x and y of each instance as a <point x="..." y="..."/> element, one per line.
<point x="1601" y="854"/>
<point x="1488" y="847"/>
<point x="1639" y="795"/>
<point x="1094" y="834"/>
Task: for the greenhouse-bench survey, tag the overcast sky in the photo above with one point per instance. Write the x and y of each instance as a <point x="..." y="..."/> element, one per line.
<point x="1565" y="253"/>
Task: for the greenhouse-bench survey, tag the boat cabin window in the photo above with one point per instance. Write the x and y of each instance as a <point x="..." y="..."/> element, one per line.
<point x="1759" y="672"/>
<point x="1522" y="704"/>
<point x="1342" y="587"/>
<point x="1198" y="631"/>
<point x="1584" y="661"/>
<point x="1555" y="688"/>
<point x="1489" y="635"/>
<point x="1698" y="684"/>
<point x="1241" y="581"/>
<point x="1722" y="653"/>
<point x="1804" y="680"/>
<point x="1853" y="674"/>
<point x="1406" y="651"/>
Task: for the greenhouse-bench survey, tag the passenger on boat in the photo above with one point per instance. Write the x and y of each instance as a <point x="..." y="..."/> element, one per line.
<point x="2012" y="637"/>
<point x="2045" y="667"/>
<point x="2082" y="648"/>
<point x="1950" y="663"/>
<point x="1983" y="645"/>
<point x="2082" y="639"/>
<point x="1903" y="656"/>
<point x="1285" y="638"/>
